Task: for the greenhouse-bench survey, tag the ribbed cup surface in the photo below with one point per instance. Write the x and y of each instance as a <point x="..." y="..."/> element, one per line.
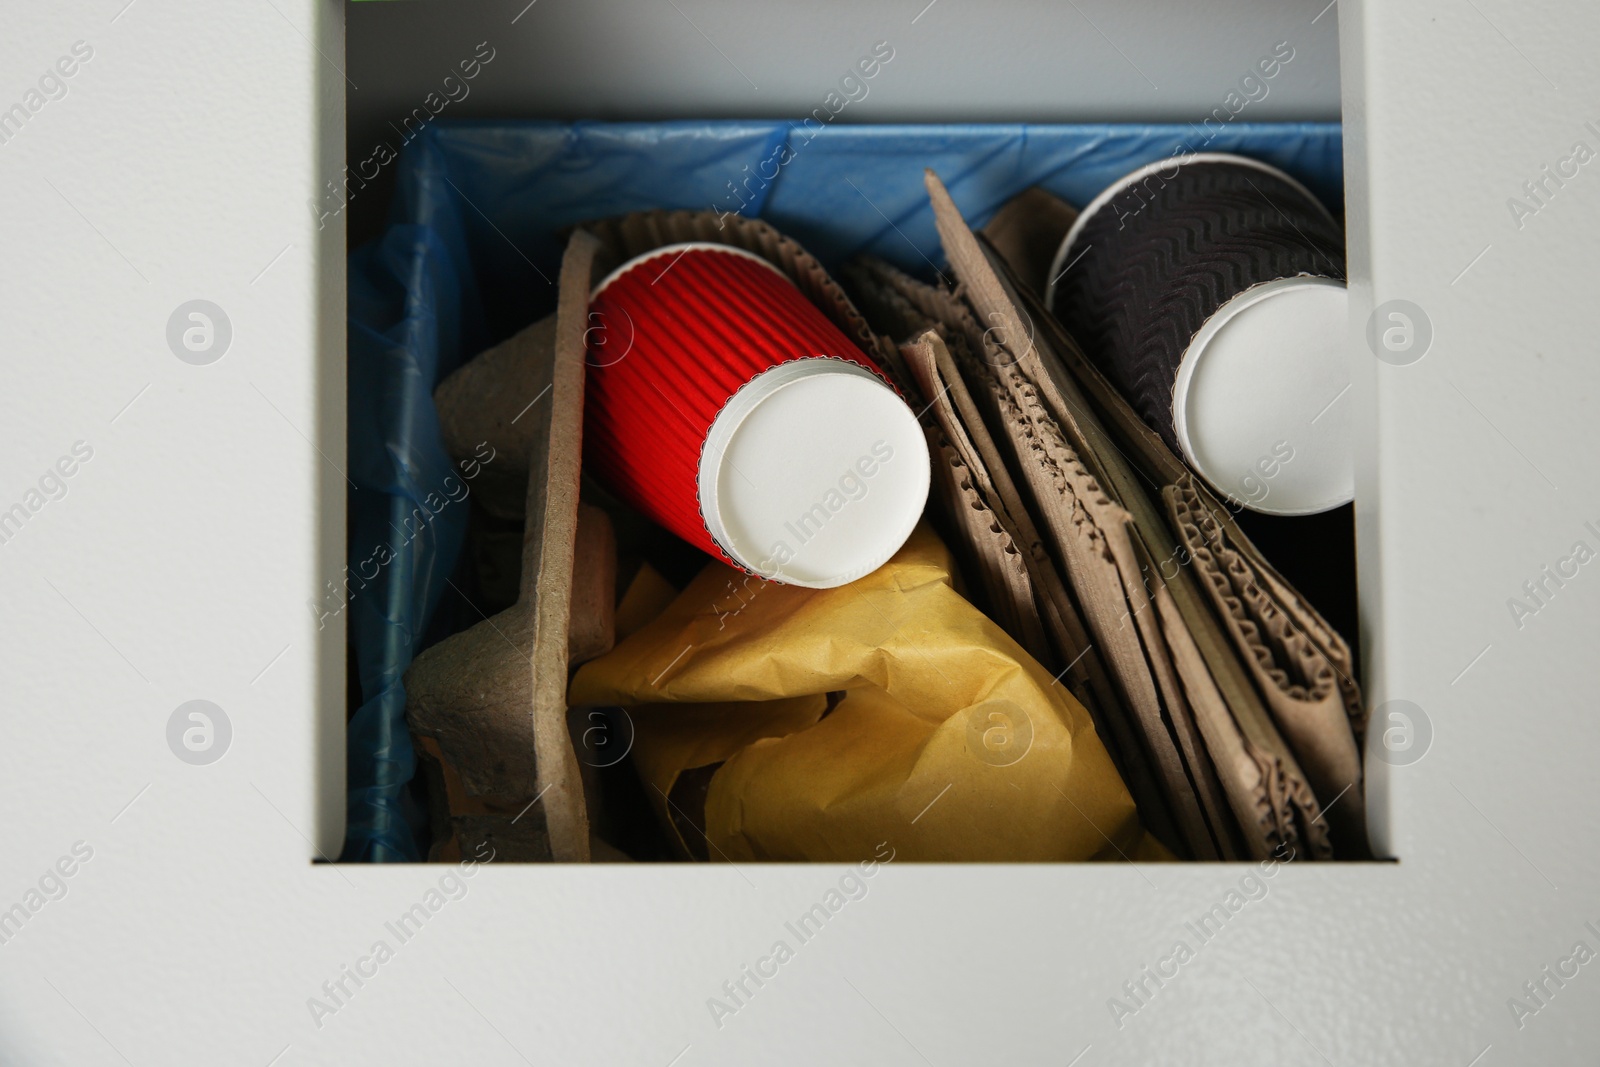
<point x="1156" y="260"/>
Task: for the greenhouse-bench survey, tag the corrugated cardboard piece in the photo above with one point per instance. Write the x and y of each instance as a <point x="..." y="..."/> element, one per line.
<point x="1242" y="714"/>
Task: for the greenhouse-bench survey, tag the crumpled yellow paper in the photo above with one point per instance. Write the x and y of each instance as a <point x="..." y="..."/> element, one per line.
<point x="949" y="742"/>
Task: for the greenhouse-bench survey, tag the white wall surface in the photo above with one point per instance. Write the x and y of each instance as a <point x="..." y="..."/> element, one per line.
<point x="178" y="565"/>
<point x="956" y="61"/>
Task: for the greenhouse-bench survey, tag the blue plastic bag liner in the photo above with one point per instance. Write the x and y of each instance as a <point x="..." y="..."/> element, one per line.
<point x="471" y="256"/>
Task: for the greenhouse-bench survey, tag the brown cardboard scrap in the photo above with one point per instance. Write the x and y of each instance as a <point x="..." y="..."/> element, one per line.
<point x="1132" y="464"/>
<point x="1030" y="339"/>
<point x="1299" y="665"/>
<point x="988" y="529"/>
<point x="489" y="399"/>
<point x="1027" y="231"/>
<point x="493" y="696"/>
<point x="1296" y="679"/>
<point x="593" y="599"/>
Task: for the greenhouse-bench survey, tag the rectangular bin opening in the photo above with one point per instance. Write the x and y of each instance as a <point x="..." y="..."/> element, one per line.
<point x="1125" y="628"/>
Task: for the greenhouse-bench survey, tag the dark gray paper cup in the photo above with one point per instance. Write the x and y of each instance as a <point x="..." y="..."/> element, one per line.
<point x="1210" y="289"/>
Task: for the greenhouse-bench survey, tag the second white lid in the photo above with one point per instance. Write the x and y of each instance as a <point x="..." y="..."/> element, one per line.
<point x="1261" y="405"/>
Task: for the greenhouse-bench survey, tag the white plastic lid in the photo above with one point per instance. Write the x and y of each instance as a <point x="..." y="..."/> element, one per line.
<point x="1260" y="403"/>
<point x="814" y="473"/>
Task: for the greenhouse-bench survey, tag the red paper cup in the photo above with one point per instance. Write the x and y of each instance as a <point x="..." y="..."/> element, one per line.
<point x="725" y="406"/>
